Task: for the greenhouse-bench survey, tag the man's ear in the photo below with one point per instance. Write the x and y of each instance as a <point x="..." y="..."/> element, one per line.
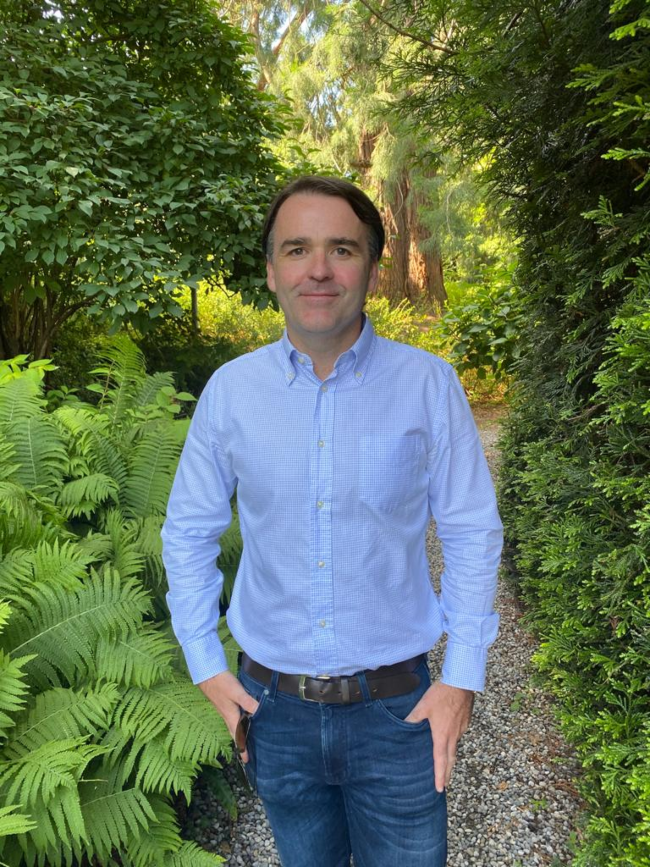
<point x="270" y="275"/>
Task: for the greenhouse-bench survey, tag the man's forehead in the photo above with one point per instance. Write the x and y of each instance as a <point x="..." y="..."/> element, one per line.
<point x="302" y="214"/>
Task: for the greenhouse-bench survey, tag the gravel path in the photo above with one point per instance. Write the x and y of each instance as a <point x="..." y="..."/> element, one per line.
<point x="512" y="802"/>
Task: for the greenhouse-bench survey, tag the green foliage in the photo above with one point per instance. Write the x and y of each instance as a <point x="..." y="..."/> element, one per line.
<point x="483" y="327"/>
<point x="555" y="96"/>
<point x="99" y="724"/>
<point x="133" y="162"/>
<point x="227" y="329"/>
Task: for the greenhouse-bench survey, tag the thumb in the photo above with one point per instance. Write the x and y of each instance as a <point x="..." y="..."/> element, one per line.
<point x="248" y="703"/>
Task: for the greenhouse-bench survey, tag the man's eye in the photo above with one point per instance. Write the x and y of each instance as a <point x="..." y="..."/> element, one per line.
<point x="342" y="251"/>
<point x="296" y="251"/>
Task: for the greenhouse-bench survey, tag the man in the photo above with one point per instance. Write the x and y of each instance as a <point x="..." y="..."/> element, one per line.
<point x="341" y="445"/>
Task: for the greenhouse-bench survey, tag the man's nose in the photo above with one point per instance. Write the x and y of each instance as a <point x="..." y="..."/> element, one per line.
<point x="320" y="266"/>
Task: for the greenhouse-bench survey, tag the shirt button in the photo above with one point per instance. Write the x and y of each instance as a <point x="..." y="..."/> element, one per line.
<point x="290" y="375"/>
<point x="322" y="623"/>
<point x="320" y="504"/>
<point x="321" y="563"/>
<point x="323" y="388"/>
<point x="321" y="443"/>
<point x="301" y="360"/>
<point x="358" y="374"/>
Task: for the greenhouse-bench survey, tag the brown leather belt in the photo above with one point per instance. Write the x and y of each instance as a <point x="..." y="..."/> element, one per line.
<point x="384" y="682"/>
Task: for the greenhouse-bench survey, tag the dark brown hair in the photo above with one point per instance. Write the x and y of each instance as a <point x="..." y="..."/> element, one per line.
<point x="324" y="186"/>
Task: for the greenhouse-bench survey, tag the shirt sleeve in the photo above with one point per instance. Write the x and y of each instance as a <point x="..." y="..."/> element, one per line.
<point x="463" y="503"/>
<point x="198" y="513"/>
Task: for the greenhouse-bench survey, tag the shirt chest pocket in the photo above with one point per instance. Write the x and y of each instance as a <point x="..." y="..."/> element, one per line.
<point x="391" y="471"/>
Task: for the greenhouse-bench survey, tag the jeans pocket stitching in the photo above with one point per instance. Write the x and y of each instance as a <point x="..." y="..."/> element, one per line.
<point x="413" y="726"/>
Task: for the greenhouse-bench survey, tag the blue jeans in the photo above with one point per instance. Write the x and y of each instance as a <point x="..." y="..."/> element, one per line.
<point x="338" y="779"/>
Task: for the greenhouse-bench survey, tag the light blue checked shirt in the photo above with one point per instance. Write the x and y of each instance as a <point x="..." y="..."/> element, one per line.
<point x="336" y="483"/>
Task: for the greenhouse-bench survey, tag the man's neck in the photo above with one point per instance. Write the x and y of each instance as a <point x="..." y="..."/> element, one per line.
<point x="323" y="350"/>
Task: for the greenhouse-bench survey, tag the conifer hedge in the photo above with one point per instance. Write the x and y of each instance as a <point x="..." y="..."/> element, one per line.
<point x="557" y="96"/>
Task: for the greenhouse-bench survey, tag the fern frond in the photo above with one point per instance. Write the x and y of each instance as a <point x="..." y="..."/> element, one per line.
<point x="13" y="690"/>
<point x="60" y="825"/>
<point x="39" y="452"/>
<point x="16" y="570"/>
<point x="91" y="432"/>
<point x="124" y="555"/>
<point x="14" y="823"/>
<point x="63" y="627"/>
<point x="60" y="713"/>
<point x="20" y="398"/>
<point x="194" y="731"/>
<point x="113" y="818"/>
<point x="149" y="544"/>
<point x="123" y="376"/>
<point x="191" y="855"/>
<point x="7" y="464"/>
<point x="146" y="394"/>
<point x="60" y="563"/>
<point x="82" y="496"/>
<point x="39" y="774"/>
<point x="141" y="659"/>
<point x="158" y="772"/>
<point x="16" y="503"/>
<point x="150" y="847"/>
<point x="151" y="471"/>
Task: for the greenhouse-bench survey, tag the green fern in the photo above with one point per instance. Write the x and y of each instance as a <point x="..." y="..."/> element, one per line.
<point x="113" y="818"/>
<point x="63" y="627"/>
<point x="159" y="772"/>
<point x="20" y="398"/>
<point x="89" y="433"/>
<point x="190" y="855"/>
<point x="151" y="846"/>
<point x="148" y="391"/>
<point x="193" y="729"/>
<point x="101" y="723"/>
<point x="124" y="374"/>
<point x="39" y="452"/>
<point x="151" y="469"/>
<point x="14" y="823"/>
<point x="60" y="713"/>
<point x="83" y="496"/>
<point x="141" y="659"/>
<point x="13" y="689"/>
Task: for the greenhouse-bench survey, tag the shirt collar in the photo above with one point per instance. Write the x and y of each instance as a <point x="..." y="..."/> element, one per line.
<point x="359" y="353"/>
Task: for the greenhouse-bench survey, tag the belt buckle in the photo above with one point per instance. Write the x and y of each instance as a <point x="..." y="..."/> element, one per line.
<point x="301" y="685"/>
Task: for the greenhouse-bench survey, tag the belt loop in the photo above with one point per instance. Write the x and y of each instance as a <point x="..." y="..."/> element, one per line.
<point x="365" y="691"/>
<point x="273" y="686"/>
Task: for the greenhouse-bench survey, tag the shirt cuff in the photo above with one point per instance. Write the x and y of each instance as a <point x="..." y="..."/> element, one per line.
<point x="205" y="657"/>
<point x="464" y="666"/>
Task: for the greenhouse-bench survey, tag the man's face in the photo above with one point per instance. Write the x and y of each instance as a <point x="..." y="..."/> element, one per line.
<point x="321" y="271"/>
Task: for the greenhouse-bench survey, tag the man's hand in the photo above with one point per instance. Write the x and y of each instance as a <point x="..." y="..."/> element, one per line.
<point x="449" y="711"/>
<point x="229" y="697"/>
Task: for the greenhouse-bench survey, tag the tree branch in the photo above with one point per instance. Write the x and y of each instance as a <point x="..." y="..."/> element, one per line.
<point x="434" y="45"/>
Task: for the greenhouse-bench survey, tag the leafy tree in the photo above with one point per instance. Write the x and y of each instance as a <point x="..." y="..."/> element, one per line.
<point x="132" y="160"/>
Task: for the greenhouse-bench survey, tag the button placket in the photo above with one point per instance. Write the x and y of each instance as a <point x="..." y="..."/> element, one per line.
<point x="322" y="594"/>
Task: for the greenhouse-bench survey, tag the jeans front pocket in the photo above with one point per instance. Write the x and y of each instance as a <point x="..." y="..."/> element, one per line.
<point x="398" y="707"/>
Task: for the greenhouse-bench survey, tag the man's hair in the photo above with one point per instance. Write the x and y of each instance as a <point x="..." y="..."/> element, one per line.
<point x="323" y="186"/>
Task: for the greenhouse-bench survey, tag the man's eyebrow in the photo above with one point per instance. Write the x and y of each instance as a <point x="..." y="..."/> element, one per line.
<point x="294" y="242"/>
<point x="345" y="242"/>
<point x="333" y="242"/>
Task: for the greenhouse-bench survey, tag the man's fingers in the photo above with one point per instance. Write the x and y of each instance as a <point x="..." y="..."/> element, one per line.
<point x="439" y="766"/>
<point x="248" y="703"/>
